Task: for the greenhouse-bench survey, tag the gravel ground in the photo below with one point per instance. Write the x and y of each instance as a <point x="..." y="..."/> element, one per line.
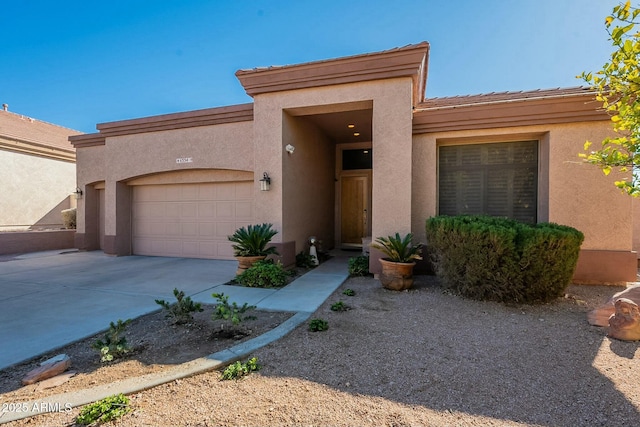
<point x="419" y="357"/>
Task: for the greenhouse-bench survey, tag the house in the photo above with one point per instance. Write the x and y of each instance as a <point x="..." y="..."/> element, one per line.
<point x="352" y="149"/>
<point x="38" y="172"/>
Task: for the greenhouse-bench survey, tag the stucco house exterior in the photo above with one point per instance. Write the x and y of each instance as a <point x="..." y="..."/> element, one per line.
<point x="38" y="172"/>
<point x="353" y="150"/>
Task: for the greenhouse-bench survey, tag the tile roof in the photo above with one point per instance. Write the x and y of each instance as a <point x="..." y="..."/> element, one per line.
<point x="30" y="131"/>
<point x="497" y="97"/>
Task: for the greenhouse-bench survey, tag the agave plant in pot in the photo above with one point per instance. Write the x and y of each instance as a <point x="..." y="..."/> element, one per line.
<point x="250" y="244"/>
<point x="400" y="258"/>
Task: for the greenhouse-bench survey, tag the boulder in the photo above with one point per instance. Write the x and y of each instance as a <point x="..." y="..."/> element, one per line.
<point x="600" y="316"/>
<point x="625" y="323"/>
<point x="55" y="366"/>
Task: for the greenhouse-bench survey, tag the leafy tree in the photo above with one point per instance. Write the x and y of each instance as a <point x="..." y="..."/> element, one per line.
<point x="618" y="88"/>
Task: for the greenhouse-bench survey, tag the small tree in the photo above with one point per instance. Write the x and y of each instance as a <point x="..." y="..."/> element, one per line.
<point x="618" y="88"/>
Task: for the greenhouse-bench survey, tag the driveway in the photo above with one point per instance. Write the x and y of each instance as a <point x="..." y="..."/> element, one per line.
<point x="49" y="299"/>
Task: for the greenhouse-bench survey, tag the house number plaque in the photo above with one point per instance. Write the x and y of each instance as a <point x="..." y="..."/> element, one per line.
<point x="184" y="160"/>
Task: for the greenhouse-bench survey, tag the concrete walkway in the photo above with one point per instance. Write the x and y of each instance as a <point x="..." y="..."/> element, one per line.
<point x="303" y="296"/>
<point x="50" y="299"/>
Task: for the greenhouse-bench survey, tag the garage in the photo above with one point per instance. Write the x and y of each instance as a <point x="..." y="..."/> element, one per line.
<point x="189" y="220"/>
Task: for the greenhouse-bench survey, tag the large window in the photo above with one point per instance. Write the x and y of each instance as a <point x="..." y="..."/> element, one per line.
<point x="498" y="179"/>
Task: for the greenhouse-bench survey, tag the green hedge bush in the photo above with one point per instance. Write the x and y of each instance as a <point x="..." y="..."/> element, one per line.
<point x="264" y="274"/>
<point x="489" y="258"/>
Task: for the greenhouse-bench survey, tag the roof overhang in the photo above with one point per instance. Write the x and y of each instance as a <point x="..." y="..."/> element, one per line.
<point x="507" y="110"/>
<point x="409" y="61"/>
<point x="188" y="119"/>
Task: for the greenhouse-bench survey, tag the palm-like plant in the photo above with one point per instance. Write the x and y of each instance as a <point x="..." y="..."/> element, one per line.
<point x="398" y="249"/>
<point x="253" y="240"/>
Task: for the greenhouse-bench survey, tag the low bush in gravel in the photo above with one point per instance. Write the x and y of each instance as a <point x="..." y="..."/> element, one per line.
<point x="359" y="266"/>
<point x="264" y="274"/>
<point x="498" y="259"/>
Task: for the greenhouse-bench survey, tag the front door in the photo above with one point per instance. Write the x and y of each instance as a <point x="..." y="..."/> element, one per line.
<point x="355" y="211"/>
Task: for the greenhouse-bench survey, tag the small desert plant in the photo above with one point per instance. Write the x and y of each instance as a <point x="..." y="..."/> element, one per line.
<point x="253" y="240"/>
<point x="359" y="266"/>
<point x="264" y="274"/>
<point x="398" y="249"/>
<point x="233" y="312"/>
<point x="349" y="292"/>
<point x="114" y="344"/>
<point x="339" y="306"/>
<point x="105" y="410"/>
<point x="182" y="310"/>
<point x="317" y="325"/>
<point x="69" y="218"/>
<point x="305" y="260"/>
<point x="237" y="370"/>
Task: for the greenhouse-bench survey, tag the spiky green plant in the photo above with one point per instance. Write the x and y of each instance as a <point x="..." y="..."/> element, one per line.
<point x="253" y="240"/>
<point x="398" y="249"/>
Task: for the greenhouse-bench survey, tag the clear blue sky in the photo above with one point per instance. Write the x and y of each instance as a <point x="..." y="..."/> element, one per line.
<point x="79" y="63"/>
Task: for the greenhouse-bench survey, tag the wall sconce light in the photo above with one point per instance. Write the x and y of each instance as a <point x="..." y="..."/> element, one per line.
<point x="290" y="148"/>
<point x="265" y="182"/>
<point x="78" y="193"/>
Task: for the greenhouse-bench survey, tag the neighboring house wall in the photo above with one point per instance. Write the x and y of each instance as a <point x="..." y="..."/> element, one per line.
<point x="34" y="191"/>
<point x="37" y="172"/>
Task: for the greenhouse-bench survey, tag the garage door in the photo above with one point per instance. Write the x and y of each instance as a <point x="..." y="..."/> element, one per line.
<point x="189" y="220"/>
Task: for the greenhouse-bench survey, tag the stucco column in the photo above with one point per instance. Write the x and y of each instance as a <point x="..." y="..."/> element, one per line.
<point x="392" y="144"/>
<point x="267" y="120"/>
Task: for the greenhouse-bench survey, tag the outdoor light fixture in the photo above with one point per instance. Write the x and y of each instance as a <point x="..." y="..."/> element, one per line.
<point x="351" y="125"/>
<point x="265" y="182"/>
<point x="78" y="193"/>
<point x="356" y="134"/>
<point x="290" y="148"/>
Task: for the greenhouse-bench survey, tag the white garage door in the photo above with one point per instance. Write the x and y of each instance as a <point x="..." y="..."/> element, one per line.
<point x="189" y="220"/>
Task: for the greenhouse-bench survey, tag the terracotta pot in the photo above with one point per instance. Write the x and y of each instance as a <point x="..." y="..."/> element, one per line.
<point x="245" y="262"/>
<point x="396" y="276"/>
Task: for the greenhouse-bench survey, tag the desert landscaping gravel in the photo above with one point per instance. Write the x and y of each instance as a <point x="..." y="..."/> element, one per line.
<point x="420" y="357"/>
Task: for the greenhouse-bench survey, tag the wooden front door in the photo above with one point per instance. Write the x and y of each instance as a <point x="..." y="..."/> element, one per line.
<point x="355" y="215"/>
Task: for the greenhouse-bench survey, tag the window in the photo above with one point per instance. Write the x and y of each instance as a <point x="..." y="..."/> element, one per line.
<point x="356" y="159"/>
<point x="498" y="179"/>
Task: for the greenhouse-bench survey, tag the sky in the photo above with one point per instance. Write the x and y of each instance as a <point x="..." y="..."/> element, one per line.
<point x="80" y="63"/>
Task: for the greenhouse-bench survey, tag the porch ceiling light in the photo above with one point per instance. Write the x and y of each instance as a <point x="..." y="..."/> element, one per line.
<point x="356" y="134"/>
<point x="351" y="125"/>
<point x="265" y="182"/>
<point x="290" y="148"/>
<point x="78" y="193"/>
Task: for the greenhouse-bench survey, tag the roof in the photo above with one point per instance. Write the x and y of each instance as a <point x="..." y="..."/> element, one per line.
<point x="407" y="61"/>
<point x="25" y="134"/>
<point x="504" y="109"/>
<point x="495" y="97"/>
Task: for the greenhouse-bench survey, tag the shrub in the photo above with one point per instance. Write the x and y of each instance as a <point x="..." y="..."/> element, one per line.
<point x="69" y="218"/>
<point x="349" y="292"/>
<point x="305" y="260"/>
<point x="317" y="325"/>
<point x="264" y="274"/>
<point x="498" y="259"/>
<point x="114" y="344"/>
<point x="105" y="410"/>
<point x="339" y="306"/>
<point x="359" y="266"/>
<point x="237" y="370"/>
<point x="233" y="312"/>
<point x="181" y="310"/>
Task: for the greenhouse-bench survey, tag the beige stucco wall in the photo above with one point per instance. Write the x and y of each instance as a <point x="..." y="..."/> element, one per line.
<point x="579" y="195"/>
<point x="636" y="225"/>
<point x="226" y="146"/>
<point x="390" y="101"/>
<point x="33" y="190"/>
<point x="308" y="186"/>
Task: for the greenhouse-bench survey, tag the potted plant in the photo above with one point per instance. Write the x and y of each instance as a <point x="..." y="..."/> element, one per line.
<point x="250" y="244"/>
<point x="399" y="260"/>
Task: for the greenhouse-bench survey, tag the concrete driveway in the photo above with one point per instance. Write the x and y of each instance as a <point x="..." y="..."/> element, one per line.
<point x="49" y="299"/>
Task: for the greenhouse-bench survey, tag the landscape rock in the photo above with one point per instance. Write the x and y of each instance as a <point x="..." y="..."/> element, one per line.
<point x="625" y="323"/>
<point x="55" y="381"/>
<point x="600" y="316"/>
<point x="47" y="370"/>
